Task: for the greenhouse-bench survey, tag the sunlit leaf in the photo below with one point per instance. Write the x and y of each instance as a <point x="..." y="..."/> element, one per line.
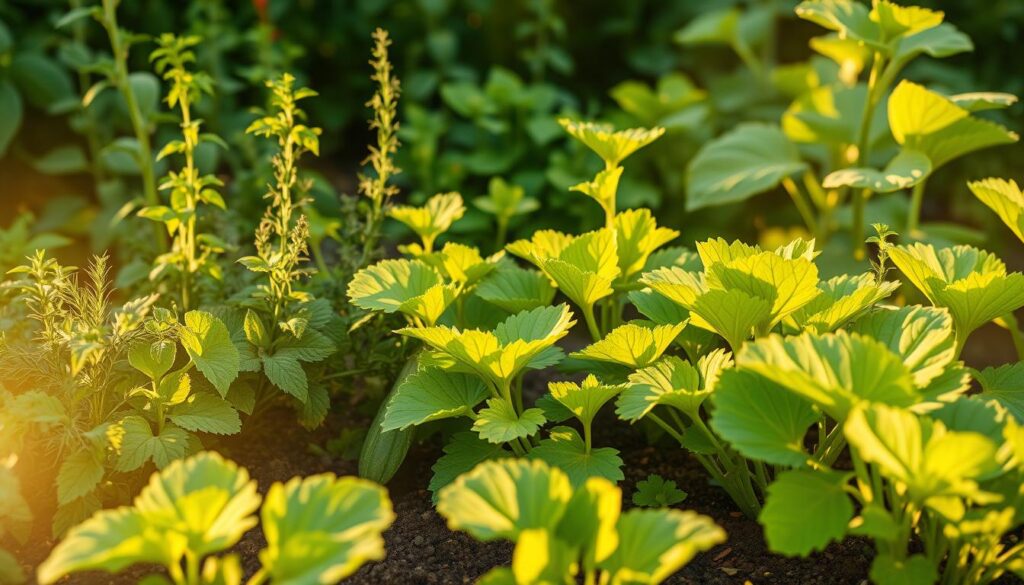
<point x="751" y="159"/>
<point x="566" y="450"/>
<point x="761" y="419"/>
<point x="321" y="529"/>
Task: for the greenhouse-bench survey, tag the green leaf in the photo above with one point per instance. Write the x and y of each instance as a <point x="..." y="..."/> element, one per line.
<point x="207" y="499"/>
<point x="501" y="499"/>
<point x="208" y="342"/>
<point x="139" y="445"/>
<point x="941" y="41"/>
<point x="540" y="557"/>
<point x="849" y="18"/>
<point x="584" y="400"/>
<point x="432" y="219"/>
<point x="654" y="544"/>
<point x="931" y="461"/>
<point x="202" y="505"/>
<point x="905" y="170"/>
<point x="788" y="283"/>
<point x="1005" y="384"/>
<point x="657" y="492"/>
<point x="515" y="289"/>
<point x="286" y="373"/>
<point x="761" y="419"/>
<point x="751" y="159"/>
<point x="499" y="423"/>
<point x="733" y="314"/>
<point x="842" y="300"/>
<point x="111" y="540"/>
<point x="463" y="452"/>
<point x="914" y="570"/>
<point x="613" y="147"/>
<point x="637" y="237"/>
<point x="175" y="388"/>
<point x="10" y="570"/>
<point x="321" y="529"/>
<point x="433" y="394"/>
<point x="1005" y="198"/>
<point x="716" y="27"/>
<point x="43" y="81"/>
<point x="313" y="411"/>
<point x="805" y="511"/>
<point x="585" y="268"/>
<point x="632" y="345"/>
<point x="973" y="284"/>
<point x="410" y="286"/>
<point x="602" y="189"/>
<point x="566" y="450"/>
<point x="206" y="413"/>
<point x="922" y="336"/>
<point x="505" y="201"/>
<point x="153" y="359"/>
<point x="930" y="123"/>
<point x="79" y="475"/>
<point x="313" y="346"/>
<point x="464" y="264"/>
<point x="830" y="114"/>
<point x="977" y="101"/>
<point x="255" y="332"/>
<point x="10" y="103"/>
<point x="63" y="160"/>
<point x="501" y="355"/>
<point x="671" y="381"/>
<point x="835" y="371"/>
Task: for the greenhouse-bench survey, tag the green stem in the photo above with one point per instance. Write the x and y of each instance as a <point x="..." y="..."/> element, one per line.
<point x="806" y="212"/>
<point x="119" y="49"/>
<point x="502" y="235"/>
<point x="588" y="316"/>
<point x="667" y="428"/>
<point x="914" y="215"/>
<point x="863" y="151"/>
<point x="1018" y="340"/>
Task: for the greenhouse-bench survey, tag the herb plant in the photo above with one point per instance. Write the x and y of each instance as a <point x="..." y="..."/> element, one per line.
<point x="320" y="528"/>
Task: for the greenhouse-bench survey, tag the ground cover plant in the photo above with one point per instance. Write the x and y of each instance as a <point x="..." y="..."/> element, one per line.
<point x="541" y="316"/>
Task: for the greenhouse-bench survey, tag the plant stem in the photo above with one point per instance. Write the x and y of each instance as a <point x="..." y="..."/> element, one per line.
<point x="588" y="316"/>
<point x="1014" y="328"/>
<point x="806" y="212"/>
<point x="141" y="129"/>
<point x="863" y="150"/>
<point x="914" y="215"/>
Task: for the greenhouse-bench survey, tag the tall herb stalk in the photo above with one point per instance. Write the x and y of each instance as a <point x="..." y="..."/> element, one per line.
<point x="376" y="186"/>
<point x="121" y="42"/>
<point x="191" y="253"/>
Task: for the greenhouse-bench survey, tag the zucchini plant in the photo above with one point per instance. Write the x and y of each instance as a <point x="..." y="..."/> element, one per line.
<point x="845" y="138"/>
<point x="564" y="533"/>
<point x="318" y="529"/>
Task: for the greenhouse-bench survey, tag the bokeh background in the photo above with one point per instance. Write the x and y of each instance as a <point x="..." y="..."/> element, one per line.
<point x="483" y="83"/>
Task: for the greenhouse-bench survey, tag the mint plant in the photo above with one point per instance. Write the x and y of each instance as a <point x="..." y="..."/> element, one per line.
<point x="563" y="533"/>
<point x="320" y="528"/>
